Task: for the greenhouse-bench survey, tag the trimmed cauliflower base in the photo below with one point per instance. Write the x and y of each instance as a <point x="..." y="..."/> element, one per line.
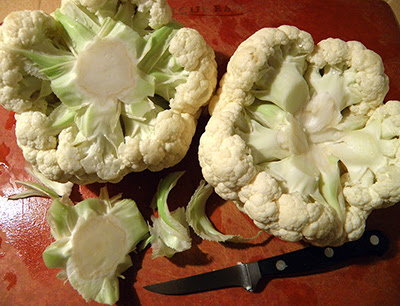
<point x="300" y="138"/>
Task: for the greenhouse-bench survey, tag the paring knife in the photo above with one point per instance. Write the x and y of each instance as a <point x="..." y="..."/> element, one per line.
<point x="306" y="261"/>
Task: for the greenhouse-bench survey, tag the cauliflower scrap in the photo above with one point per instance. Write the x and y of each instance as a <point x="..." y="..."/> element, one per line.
<point x="103" y="88"/>
<point x="300" y="138"/>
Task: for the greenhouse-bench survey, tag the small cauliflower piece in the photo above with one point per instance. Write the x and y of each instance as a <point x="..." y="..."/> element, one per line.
<point x="198" y="220"/>
<point x="103" y="88"/>
<point x="169" y="232"/>
<point x="111" y="226"/>
<point x="300" y="138"/>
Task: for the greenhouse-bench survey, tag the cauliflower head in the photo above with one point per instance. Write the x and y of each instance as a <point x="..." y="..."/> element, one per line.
<point x="102" y="88"/>
<point x="300" y="137"/>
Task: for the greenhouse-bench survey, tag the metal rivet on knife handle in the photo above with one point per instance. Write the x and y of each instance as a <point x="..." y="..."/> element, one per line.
<point x="281" y="265"/>
<point x="374" y="239"/>
<point x="329" y="252"/>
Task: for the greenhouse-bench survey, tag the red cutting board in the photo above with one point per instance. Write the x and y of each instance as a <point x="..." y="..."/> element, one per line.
<point x="24" y="233"/>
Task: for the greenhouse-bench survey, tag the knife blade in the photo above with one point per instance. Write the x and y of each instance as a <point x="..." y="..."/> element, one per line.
<point x="306" y="261"/>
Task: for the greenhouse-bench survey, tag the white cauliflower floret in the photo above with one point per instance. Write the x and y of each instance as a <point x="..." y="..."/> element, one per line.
<point x="158" y="12"/>
<point x="46" y="163"/>
<point x="92" y="5"/>
<point x="225" y="160"/>
<point x="174" y="132"/>
<point x="386" y="185"/>
<point x="379" y="190"/>
<point x="354" y="224"/>
<point x="152" y="151"/>
<point x="153" y="13"/>
<point x="289" y="224"/>
<point x="361" y="70"/>
<point x="259" y="198"/>
<point x="250" y="59"/>
<point x="55" y="73"/>
<point x="171" y="128"/>
<point x="14" y="95"/>
<point x="189" y="48"/>
<point x="68" y="155"/>
<point x="192" y="53"/>
<point x="359" y="192"/>
<point x="378" y="187"/>
<point x="32" y="131"/>
<point x="22" y="86"/>
<point x="323" y="228"/>
<point x="35" y="29"/>
<point x="389" y="115"/>
<point x="131" y="155"/>
<point x="299" y="136"/>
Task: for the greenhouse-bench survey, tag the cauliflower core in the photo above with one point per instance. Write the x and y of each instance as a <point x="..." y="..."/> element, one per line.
<point x="103" y="88"/>
<point x="93" y="240"/>
<point x="105" y="69"/>
<point x="299" y="136"/>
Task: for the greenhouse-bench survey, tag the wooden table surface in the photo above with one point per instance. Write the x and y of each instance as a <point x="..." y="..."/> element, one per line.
<point x="24" y="233"/>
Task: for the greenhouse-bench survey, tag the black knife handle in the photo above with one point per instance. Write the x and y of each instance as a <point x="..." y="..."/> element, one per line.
<point x="314" y="259"/>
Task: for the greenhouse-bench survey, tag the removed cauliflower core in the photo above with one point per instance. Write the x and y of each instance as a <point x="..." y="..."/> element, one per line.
<point x="110" y="247"/>
<point x="93" y="240"/>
